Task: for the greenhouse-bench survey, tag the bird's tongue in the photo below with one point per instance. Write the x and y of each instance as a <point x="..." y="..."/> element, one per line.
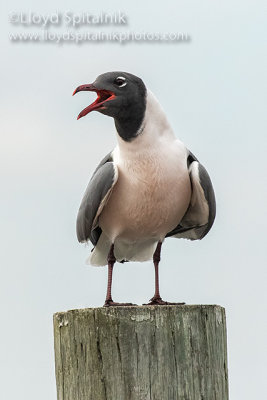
<point x="102" y="96"/>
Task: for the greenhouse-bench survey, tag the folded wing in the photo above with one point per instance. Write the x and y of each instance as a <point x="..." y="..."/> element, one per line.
<point x="94" y="199"/>
<point x="201" y="212"/>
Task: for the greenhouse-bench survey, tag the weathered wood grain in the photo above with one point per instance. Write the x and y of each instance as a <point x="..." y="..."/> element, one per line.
<point x="141" y="353"/>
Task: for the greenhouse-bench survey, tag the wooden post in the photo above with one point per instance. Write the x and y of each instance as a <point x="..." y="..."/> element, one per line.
<point x="141" y="353"/>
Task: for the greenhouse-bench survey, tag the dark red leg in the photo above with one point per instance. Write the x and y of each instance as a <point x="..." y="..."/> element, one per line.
<point x="156" y="299"/>
<point x="111" y="261"/>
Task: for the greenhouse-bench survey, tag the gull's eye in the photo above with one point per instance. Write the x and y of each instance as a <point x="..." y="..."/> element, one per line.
<point x="120" y="81"/>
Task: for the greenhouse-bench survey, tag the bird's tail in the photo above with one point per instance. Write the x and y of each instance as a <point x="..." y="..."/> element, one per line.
<point x="123" y="251"/>
<point x="99" y="255"/>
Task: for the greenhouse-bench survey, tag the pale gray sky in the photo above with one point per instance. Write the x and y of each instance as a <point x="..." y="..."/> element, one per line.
<point x="212" y="90"/>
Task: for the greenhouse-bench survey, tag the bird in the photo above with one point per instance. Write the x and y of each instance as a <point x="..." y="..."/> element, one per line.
<point x="148" y="188"/>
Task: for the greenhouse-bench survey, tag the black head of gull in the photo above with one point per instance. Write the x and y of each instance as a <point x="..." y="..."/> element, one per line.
<point x="120" y="95"/>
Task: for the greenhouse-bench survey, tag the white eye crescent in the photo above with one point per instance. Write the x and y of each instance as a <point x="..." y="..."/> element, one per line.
<point x="120" y="81"/>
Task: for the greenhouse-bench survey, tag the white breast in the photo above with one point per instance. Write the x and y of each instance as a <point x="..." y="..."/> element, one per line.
<point x="153" y="189"/>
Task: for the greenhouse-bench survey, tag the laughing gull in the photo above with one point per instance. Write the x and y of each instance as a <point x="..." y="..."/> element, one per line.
<point x="148" y="188"/>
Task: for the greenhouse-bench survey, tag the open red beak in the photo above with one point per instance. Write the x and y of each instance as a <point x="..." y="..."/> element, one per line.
<point x="102" y="97"/>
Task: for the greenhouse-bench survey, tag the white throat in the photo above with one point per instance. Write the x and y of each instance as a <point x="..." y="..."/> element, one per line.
<point x="154" y="128"/>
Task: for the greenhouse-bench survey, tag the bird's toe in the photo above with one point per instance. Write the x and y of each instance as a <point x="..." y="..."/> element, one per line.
<point x="157" y="301"/>
<point x="111" y="303"/>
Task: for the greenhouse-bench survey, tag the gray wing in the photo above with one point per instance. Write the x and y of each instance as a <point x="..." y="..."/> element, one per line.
<point x="201" y="212"/>
<point x="94" y="199"/>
